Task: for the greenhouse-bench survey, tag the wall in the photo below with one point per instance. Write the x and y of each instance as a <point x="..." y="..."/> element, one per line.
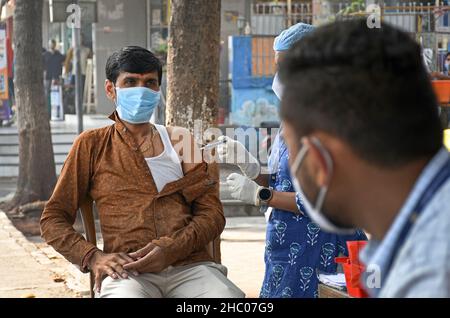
<point x="120" y="23"/>
<point x="231" y="10"/>
<point x="253" y="100"/>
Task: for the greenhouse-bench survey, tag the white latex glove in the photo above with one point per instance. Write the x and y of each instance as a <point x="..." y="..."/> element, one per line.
<point x="234" y="152"/>
<point x="244" y="189"/>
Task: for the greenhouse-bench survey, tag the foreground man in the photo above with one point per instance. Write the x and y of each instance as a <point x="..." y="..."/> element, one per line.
<point x="157" y="212"/>
<point x="363" y="129"/>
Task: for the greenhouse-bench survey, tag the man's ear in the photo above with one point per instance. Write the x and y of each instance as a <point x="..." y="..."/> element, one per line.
<point x="318" y="163"/>
<point x="110" y="91"/>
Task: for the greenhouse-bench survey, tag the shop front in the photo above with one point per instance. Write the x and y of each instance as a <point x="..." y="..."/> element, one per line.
<point x="6" y="65"/>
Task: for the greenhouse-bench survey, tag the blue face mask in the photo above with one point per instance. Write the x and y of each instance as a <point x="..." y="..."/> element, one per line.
<point x="135" y="105"/>
<point x="277" y="87"/>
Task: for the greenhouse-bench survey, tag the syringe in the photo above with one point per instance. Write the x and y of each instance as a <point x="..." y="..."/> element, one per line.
<point x="213" y="144"/>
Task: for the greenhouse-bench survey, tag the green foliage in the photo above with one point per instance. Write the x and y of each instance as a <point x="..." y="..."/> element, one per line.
<point x="355" y="7"/>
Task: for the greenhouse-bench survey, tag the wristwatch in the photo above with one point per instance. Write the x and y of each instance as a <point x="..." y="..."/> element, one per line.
<point x="264" y="196"/>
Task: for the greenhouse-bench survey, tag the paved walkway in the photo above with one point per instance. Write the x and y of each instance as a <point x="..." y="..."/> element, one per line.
<point x="243" y="243"/>
<point x="27" y="272"/>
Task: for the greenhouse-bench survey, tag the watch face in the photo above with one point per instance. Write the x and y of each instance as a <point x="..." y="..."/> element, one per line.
<point x="265" y="194"/>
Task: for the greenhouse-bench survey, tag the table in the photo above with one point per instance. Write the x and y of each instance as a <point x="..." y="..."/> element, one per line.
<point x="330" y="292"/>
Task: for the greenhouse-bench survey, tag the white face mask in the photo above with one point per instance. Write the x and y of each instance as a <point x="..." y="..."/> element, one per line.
<point x="277" y="87"/>
<point x="314" y="212"/>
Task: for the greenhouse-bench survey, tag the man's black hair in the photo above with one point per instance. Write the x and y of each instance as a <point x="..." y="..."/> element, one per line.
<point x="368" y="87"/>
<point x="132" y="59"/>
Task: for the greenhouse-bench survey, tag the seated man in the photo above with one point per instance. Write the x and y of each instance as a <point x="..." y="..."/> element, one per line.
<point x="158" y="208"/>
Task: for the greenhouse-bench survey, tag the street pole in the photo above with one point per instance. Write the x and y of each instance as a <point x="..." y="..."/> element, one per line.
<point x="289" y="13"/>
<point x="77" y="68"/>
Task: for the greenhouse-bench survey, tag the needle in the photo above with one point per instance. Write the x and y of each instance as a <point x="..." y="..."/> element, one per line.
<point x="213" y="145"/>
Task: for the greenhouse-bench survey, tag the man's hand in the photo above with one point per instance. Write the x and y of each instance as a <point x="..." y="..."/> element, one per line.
<point x="149" y="259"/>
<point x="111" y="265"/>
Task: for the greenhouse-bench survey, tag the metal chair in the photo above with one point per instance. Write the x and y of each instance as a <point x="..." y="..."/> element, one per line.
<point x="87" y="216"/>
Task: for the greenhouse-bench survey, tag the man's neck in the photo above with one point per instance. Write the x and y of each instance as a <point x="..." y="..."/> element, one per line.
<point x="137" y="130"/>
<point x="380" y="201"/>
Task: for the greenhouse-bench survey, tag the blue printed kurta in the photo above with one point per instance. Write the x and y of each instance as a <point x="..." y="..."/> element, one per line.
<point x="296" y="248"/>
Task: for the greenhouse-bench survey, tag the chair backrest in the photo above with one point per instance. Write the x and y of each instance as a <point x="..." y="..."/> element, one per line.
<point x="87" y="216"/>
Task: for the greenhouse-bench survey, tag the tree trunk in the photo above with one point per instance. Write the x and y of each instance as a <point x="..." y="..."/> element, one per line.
<point x="37" y="174"/>
<point x="193" y="63"/>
